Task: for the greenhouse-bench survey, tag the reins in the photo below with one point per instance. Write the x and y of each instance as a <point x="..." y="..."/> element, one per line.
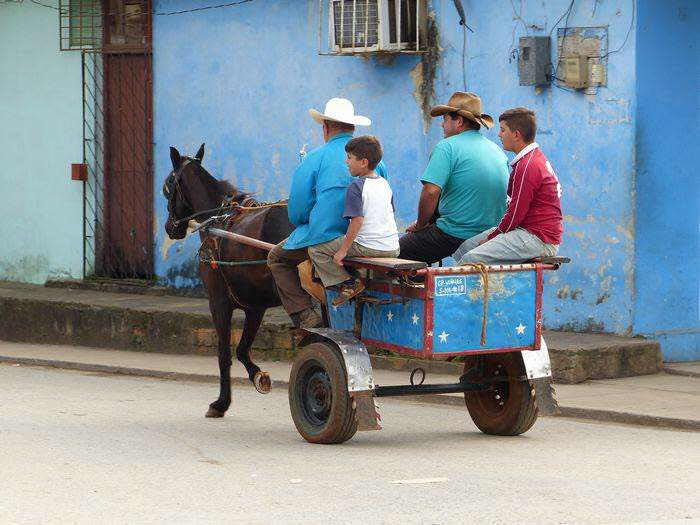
<point x="235" y="206"/>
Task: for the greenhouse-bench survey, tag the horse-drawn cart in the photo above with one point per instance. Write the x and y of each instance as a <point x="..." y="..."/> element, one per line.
<point x="489" y="315"/>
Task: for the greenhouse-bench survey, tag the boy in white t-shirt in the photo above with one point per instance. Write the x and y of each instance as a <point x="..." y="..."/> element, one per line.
<point x="372" y="231"/>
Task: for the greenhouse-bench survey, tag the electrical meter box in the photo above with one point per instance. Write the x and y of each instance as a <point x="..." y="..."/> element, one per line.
<point x="534" y="61"/>
<point x="576" y="71"/>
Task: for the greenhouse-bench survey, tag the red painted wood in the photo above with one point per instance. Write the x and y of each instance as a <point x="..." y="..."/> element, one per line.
<point x="128" y="132"/>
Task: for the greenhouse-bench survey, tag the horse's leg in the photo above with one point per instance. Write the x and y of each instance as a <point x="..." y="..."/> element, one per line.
<point x="222" y="306"/>
<point x="260" y="379"/>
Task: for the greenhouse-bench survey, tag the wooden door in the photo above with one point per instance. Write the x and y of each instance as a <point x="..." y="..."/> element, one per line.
<point x="128" y="129"/>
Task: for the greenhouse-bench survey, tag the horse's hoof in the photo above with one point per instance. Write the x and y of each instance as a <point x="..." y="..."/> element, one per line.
<point x="212" y="412"/>
<point x="262" y="382"/>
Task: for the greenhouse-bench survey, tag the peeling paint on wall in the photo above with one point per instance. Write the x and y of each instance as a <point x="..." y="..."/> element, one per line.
<point x="424" y="73"/>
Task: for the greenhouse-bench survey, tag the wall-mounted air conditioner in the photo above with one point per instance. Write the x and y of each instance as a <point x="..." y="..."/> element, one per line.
<point x="377" y="26"/>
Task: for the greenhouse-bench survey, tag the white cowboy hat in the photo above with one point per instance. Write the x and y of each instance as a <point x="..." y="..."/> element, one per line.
<point x="340" y="110"/>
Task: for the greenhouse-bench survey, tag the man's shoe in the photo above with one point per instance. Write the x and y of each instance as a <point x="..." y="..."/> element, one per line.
<point x="307" y="319"/>
<point x="348" y="291"/>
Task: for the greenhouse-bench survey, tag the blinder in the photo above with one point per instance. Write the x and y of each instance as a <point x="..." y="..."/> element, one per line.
<point x="172" y="185"/>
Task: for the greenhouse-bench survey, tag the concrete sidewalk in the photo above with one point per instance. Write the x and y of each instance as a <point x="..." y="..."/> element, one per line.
<point x="174" y="324"/>
<point x="660" y="400"/>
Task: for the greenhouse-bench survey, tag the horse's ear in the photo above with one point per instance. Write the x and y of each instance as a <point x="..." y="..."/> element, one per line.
<point x="200" y="153"/>
<point x="175" y="158"/>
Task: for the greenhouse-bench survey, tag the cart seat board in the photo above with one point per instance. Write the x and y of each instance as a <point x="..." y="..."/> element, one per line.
<point x="389" y="263"/>
<point x="551" y="260"/>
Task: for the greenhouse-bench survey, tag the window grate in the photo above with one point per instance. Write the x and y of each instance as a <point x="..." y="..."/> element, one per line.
<point x="356" y="23"/>
<point x="100" y="24"/>
<point x="373" y="26"/>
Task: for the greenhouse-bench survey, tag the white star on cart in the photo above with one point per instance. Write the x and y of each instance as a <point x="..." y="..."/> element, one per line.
<point x="335" y="308"/>
<point x="443" y="337"/>
<point x="520" y="328"/>
<point x="389" y="316"/>
<point x="415" y="319"/>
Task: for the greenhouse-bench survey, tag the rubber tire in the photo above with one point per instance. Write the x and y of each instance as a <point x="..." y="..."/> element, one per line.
<point x="341" y="423"/>
<point x="519" y="411"/>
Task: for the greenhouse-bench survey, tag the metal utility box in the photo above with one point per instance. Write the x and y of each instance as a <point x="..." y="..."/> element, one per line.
<point x="576" y="71"/>
<point x="534" y="61"/>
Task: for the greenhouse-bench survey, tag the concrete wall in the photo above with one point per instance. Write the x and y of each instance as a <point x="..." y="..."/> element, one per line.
<point x="242" y="78"/>
<point x="668" y="187"/>
<point x="589" y="140"/>
<point x="41" y="135"/>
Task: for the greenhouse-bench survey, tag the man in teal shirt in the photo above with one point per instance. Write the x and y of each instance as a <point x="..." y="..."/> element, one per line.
<point x="465" y="182"/>
<point x="316" y="202"/>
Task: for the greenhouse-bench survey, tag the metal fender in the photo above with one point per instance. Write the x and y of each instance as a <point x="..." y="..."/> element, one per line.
<point x="359" y="372"/>
<point x="537" y="362"/>
<point x="539" y="373"/>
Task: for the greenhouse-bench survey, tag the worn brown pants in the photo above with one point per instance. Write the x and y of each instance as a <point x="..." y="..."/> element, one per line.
<point x="283" y="265"/>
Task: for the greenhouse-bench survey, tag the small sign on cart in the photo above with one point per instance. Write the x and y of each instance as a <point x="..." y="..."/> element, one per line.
<point x="453" y="285"/>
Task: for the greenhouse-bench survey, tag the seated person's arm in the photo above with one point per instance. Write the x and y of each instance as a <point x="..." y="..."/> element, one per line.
<point x="302" y="195"/>
<point x="350" y="236"/>
<point x="429" y="198"/>
<point x="523" y="192"/>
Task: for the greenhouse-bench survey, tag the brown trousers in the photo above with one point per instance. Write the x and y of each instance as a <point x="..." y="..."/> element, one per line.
<point x="283" y="265"/>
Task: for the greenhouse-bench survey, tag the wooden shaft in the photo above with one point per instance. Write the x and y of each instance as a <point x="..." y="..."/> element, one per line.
<point x="242" y="239"/>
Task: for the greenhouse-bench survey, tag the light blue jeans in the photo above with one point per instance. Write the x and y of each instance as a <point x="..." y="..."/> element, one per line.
<point x="513" y="247"/>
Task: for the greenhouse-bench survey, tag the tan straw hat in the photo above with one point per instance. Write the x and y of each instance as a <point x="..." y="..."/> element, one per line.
<point x="467" y="105"/>
<point x="340" y="110"/>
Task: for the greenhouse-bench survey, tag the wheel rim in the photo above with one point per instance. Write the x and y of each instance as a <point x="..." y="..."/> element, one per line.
<point x="316" y="395"/>
<point x="494" y="399"/>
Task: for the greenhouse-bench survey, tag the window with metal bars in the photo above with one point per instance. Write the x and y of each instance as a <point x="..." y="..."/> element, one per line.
<point x="368" y="26"/>
<point x="95" y="24"/>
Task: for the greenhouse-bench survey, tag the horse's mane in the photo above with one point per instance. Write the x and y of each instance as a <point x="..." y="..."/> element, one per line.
<point x="226" y="188"/>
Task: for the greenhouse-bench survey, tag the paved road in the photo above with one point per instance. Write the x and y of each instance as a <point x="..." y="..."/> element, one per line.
<point x="80" y="447"/>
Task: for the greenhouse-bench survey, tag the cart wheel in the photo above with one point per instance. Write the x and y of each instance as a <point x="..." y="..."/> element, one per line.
<point x="508" y="408"/>
<point x="318" y="395"/>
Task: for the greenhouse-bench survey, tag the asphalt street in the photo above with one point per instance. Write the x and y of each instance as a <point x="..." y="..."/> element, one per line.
<point x="80" y="447"/>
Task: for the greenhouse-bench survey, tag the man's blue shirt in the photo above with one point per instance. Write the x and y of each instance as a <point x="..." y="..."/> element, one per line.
<point x="317" y="196"/>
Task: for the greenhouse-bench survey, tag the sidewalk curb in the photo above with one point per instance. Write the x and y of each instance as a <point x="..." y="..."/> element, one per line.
<point x="676" y="372"/>
<point x="609" y="416"/>
<point x="629" y="418"/>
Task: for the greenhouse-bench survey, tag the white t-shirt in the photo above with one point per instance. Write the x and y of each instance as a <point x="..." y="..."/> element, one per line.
<point x="371" y="198"/>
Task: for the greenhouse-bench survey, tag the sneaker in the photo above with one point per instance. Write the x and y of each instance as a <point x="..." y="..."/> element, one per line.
<point x="348" y="291"/>
<point x="307" y="319"/>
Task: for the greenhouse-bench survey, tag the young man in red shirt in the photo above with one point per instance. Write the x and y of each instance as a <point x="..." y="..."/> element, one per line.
<point x="532" y="226"/>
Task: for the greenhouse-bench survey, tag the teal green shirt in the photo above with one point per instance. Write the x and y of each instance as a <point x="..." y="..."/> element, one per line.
<point x="472" y="173"/>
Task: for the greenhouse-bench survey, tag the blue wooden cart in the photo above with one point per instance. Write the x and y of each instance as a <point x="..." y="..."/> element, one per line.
<point x="489" y="315"/>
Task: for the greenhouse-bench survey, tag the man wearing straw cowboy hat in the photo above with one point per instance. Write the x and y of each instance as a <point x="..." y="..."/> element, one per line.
<point x="465" y="182"/>
<point x="316" y="202"/>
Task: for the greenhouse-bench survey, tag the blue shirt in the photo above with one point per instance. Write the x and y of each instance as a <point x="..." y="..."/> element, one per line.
<point x="472" y="173"/>
<point x="317" y="196"/>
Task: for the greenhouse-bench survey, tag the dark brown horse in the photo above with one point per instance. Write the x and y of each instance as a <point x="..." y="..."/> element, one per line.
<point x="190" y="189"/>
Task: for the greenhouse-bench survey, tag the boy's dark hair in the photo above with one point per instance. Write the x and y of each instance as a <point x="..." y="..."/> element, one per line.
<point x="366" y="147"/>
<point x="522" y="120"/>
<point x="470" y="123"/>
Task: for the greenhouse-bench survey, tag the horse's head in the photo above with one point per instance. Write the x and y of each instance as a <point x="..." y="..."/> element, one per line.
<point x="190" y="189"/>
<point x="184" y="190"/>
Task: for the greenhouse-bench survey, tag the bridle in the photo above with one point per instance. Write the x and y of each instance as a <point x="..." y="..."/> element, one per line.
<point x="172" y="186"/>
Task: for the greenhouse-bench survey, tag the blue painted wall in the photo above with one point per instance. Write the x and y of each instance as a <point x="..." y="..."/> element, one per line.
<point x="668" y="187"/>
<point x="41" y="135"/>
<point x="241" y="79"/>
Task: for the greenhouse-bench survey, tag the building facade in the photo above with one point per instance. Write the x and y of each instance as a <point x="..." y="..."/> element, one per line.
<point x="242" y="78"/>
